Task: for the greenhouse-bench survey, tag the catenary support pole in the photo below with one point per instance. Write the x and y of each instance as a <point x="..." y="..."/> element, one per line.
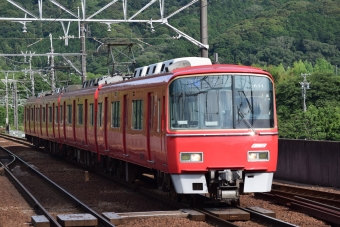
<point x="83" y="52"/>
<point x="204" y="27"/>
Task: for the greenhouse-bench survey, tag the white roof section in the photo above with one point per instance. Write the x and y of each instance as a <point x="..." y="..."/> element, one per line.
<point x="162" y="67"/>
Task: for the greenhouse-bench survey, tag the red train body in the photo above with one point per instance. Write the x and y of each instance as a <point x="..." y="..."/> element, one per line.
<point x="199" y="129"/>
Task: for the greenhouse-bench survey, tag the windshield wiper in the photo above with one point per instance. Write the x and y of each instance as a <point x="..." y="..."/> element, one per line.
<point x="249" y="104"/>
<point x="247" y="122"/>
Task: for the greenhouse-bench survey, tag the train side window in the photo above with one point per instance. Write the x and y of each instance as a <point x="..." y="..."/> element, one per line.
<point x="115" y="114"/>
<point x="43" y="114"/>
<point x="50" y="114"/>
<point x="38" y="117"/>
<point x="69" y="114"/>
<point x="61" y="114"/>
<point x="137" y="114"/>
<point x="100" y="113"/>
<point x="91" y="114"/>
<point x="56" y="117"/>
<point x="158" y="114"/>
<point x="80" y="114"/>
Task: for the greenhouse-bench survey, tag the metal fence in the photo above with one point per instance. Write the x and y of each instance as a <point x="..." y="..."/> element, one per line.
<point x="309" y="162"/>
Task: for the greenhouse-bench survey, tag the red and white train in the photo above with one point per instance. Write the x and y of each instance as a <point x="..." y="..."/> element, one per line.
<point x="200" y="128"/>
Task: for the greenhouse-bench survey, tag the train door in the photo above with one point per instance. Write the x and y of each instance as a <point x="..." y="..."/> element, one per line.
<point x="29" y="119"/>
<point x="40" y="119"/>
<point x="53" y="120"/>
<point x="150" y="126"/>
<point x="74" y="120"/>
<point x="163" y="124"/>
<point x="163" y="153"/>
<point x="86" y="119"/>
<point x="64" y="120"/>
<point x="47" y="116"/>
<point x="25" y="118"/>
<point x="105" y="122"/>
<point x="33" y="118"/>
<point x="125" y="123"/>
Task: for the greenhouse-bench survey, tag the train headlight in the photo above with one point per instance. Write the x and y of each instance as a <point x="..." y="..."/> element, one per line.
<point x="254" y="156"/>
<point x="191" y="156"/>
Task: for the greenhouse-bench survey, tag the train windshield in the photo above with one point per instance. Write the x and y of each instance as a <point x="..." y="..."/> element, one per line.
<point x="221" y="102"/>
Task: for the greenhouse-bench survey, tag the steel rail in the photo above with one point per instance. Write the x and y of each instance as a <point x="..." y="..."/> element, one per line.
<point x="305" y="191"/>
<point x="320" y="196"/>
<point x="318" y="210"/>
<point x="267" y="219"/>
<point x="30" y="198"/>
<point x="101" y="219"/>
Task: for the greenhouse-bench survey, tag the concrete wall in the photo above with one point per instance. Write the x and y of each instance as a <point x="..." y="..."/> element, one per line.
<point x="309" y="162"/>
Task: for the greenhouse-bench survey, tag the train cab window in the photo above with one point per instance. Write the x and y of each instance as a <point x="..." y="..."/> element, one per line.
<point x="91" y="114"/>
<point x="69" y="114"/>
<point x="100" y="113"/>
<point x="43" y="114"/>
<point x="254" y="102"/>
<point x="80" y="114"/>
<point x="137" y="114"/>
<point x="115" y="114"/>
<point x="50" y="114"/>
<point x="221" y="102"/>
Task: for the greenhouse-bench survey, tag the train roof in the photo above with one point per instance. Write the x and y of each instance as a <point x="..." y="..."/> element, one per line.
<point x="219" y="68"/>
<point x="169" y="70"/>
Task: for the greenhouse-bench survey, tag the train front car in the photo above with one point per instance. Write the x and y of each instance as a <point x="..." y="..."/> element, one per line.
<point x="222" y="135"/>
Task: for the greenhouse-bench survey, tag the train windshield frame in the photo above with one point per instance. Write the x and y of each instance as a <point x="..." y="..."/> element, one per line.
<point x="221" y="101"/>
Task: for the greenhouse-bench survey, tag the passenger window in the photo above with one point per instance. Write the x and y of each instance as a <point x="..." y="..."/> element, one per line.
<point x="80" y="114"/>
<point x="69" y="114"/>
<point x="137" y="114"/>
<point x="115" y="114"/>
<point x="56" y="117"/>
<point x="50" y="114"/>
<point x="100" y="113"/>
<point x="43" y="114"/>
<point x="91" y="114"/>
<point x="61" y="114"/>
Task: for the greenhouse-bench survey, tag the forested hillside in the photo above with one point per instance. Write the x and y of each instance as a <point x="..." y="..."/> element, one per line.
<point x="285" y="37"/>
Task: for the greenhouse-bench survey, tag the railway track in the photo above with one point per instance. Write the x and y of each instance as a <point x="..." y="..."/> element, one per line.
<point x="328" y="198"/>
<point x="255" y="217"/>
<point x="322" y="205"/>
<point x="49" y="202"/>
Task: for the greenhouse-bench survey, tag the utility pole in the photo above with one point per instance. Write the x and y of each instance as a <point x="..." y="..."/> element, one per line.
<point x="31" y="76"/>
<point x="6" y="99"/>
<point x="304" y="86"/>
<point x="52" y="66"/>
<point x="204" y="27"/>
<point x="83" y="52"/>
<point x="15" y="103"/>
